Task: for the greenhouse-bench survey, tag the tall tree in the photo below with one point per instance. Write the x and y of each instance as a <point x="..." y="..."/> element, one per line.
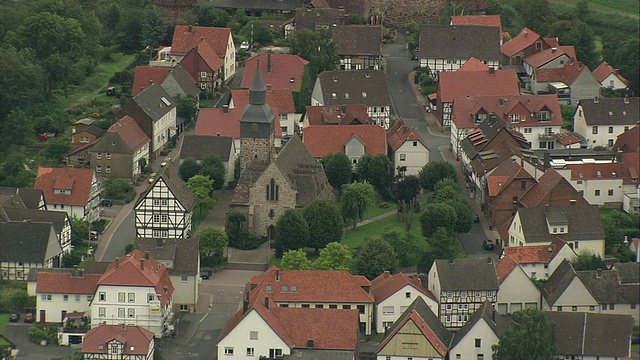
<point x="334" y="256"/>
<point x="442" y="245"/>
<point x="292" y="232"/>
<point x="188" y="169"/>
<point x="56" y="148"/>
<point x="537" y="15"/>
<point x="579" y="34"/>
<point x="435" y="171"/>
<point x="403" y="192"/>
<point x="295" y="260"/>
<point x="256" y="32"/>
<point x="587" y="260"/>
<point x="403" y="245"/>
<point x="437" y="215"/>
<point x="374" y="257"/>
<point x="22" y="81"/>
<point x="531" y="336"/>
<point x="356" y="198"/>
<point x="214" y="168"/>
<point x="209" y="15"/>
<point x="213" y="241"/>
<point x="201" y="187"/>
<point x="325" y="223"/>
<point x="377" y="170"/>
<point x="338" y="169"/>
<point x="317" y="48"/>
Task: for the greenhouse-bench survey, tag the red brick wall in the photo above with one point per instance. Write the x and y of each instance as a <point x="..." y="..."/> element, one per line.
<point x="500" y="208"/>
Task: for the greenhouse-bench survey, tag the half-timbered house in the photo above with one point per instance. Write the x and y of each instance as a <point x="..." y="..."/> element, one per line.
<point x="121" y="342"/>
<point x="26" y="245"/>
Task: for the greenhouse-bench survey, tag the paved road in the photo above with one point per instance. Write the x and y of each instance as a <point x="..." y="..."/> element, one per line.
<point x="18" y="333"/>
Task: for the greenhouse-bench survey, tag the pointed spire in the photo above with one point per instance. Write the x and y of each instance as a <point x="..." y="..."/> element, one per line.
<point x="257" y="91"/>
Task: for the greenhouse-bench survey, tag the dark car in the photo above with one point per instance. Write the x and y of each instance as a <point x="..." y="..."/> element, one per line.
<point x="14" y="317"/>
<point x="476" y="219"/>
<point x="106" y="202"/>
<point x="205" y="274"/>
<point x="28" y="317"/>
<point x="487" y="244"/>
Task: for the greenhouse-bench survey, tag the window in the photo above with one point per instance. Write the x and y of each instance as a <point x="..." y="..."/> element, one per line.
<point x="360" y="309"/>
<point x="594" y="130"/>
<point x="98" y="168"/>
<point x="610" y="143"/>
<point x="633" y="306"/>
<point x="273" y="190"/>
<point x="449" y="294"/>
<point x="407" y="295"/>
<point x="250" y="352"/>
<point x="164" y="218"/>
<point x="269" y="288"/>
<point x="132" y="297"/>
<point x="150" y="297"/>
<point x="102" y="312"/>
<point x="184" y="307"/>
<point x="581" y="192"/>
<point x="253" y="335"/>
<point x="284" y="305"/>
<point x="559" y="308"/>
<point x="131" y="313"/>
<point x="285" y="288"/>
<point x="403" y="157"/>
<point x="203" y="74"/>
<point x="121" y="297"/>
<point x="183" y="278"/>
<point x="449" y="306"/>
<point x="108" y="156"/>
<point x="574" y="308"/>
<point x="319" y="306"/>
<point x="228" y="351"/>
<point x="528" y="130"/>
<point x="108" y="169"/>
<point x="156" y="218"/>
<point x="346" y="307"/>
<point x="576" y="245"/>
<point x="293" y="288"/>
<point x="543" y="116"/>
<point x="160" y="233"/>
<point x="89" y="298"/>
<point x="121" y="313"/>
<point x="203" y="86"/>
<point x="77" y="298"/>
<point x="480" y="357"/>
<point x="610" y="129"/>
<point x="305" y="306"/>
<point x="46" y="297"/>
<point x="458" y="356"/>
<point x="99" y="156"/>
<point x="334" y="95"/>
<point x="514" y="118"/>
<point x="610" y="192"/>
<point x="102" y="296"/>
<point x="85" y="139"/>
<point x="478" y="343"/>
<point x="156" y="202"/>
<point x="387" y="310"/>
<point x="604" y="306"/>
<point x="597" y="193"/>
<point x="612" y="306"/>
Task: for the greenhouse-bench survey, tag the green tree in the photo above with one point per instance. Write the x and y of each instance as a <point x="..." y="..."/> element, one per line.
<point x="22" y="84"/>
<point x="579" y="34"/>
<point x="531" y="336"/>
<point x="13" y="172"/>
<point x="79" y="231"/>
<point x="442" y="245"/>
<point x="295" y="260"/>
<point x="374" y="257"/>
<point x="435" y="171"/>
<point x="71" y="259"/>
<point x="212" y="244"/>
<point x="582" y="10"/>
<point x="325" y="223"/>
<point x="464" y="214"/>
<point x="16" y="128"/>
<point x="292" y="232"/>
<point x="116" y="189"/>
<point x="587" y="260"/>
<point x="317" y="48"/>
<point x="378" y="171"/>
<point x="537" y="15"/>
<point x="257" y="32"/>
<point x="403" y="245"/>
<point x="236" y="169"/>
<point x="403" y="192"/>
<point x="511" y="19"/>
<point x="188" y="169"/>
<point x="334" y="256"/>
<point x="302" y="97"/>
<point x="356" y="198"/>
<point x="437" y="215"/>
<point x="56" y="148"/>
<point x="338" y="169"/>
<point x="214" y="168"/>
<point x="209" y="15"/>
<point x="187" y="108"/>
<point x="201" y="187"/>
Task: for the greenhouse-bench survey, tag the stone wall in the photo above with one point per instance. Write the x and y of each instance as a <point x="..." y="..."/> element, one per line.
<point x="174" y="11"/>
<point x="400" y="12"/>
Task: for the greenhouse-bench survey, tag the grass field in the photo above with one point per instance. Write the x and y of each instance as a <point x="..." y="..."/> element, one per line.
<point x="628" y="7"/>
<point x="4" y="318"/>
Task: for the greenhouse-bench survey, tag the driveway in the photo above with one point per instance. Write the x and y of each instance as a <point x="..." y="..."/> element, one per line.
<point x="18" y="333"/>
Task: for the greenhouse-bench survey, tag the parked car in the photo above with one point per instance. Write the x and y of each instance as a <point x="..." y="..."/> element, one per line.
<point x="205" y="274"/>
<point x="244" y="45"/>
<point x="487" y="244"/>
<point x="152" y="177"/>
<point x="14" y="317"/>
<point x="28" y="317"/>
<point x="165" y="161"/>
<point x="106" y="202"/>
<point x="93" y="235"/>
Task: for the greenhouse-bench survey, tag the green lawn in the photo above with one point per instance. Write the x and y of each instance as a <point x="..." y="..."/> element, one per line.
<point x="629" y="7"/>
<point x="4" y="318"/>
<point x="354" y="238"/>
<point x="635" y="349"/>
<point x="198" y="216"/>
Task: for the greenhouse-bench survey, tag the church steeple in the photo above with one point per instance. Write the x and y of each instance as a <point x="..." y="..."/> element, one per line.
<point x="257" y="91"/>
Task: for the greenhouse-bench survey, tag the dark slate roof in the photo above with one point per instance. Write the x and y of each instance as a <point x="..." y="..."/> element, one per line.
<point x="150" y="101"/>
<point x="182" y="252"/>
<point x="312" y="19"/>
<point x="185" y="81"/>
<point x="33" y="272"/>
<point x="611" y="111"/>
<point x="280" y="5"/>
<point x="357" y="39"/>
<point x="178" y="188"/>
<point x="489" y="129"/>
<point x="257" y="111"/>
<point x="197" y="147"/>
<point x="590" y="334"/>
<point x="319" y="354"/>
<point x="354" y="83"/>
<point x="57" y="218"/>
<point x="459" y="42"/>
<point x="29" y="197"/>
<point x="467" y="274"/>
<point x="498" y="323"/>
<point x="94" y="129"/>
<point x="628" y="272"/>
<point x="558" y="282"/>
<point x="584" y="223"/>
<point x="248" y="177"/>
<point x="95" y="267"/>
<point x="27" y="242"/>
<point x="605" y="287"/>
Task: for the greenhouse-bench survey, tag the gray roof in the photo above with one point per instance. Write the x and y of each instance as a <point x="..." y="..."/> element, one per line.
<point x="357" y="39"/>
<point x="198" y="147"/>
<point x="590" y="334"/>
<point x="182" y="252"/>
<point x="280" y="5"/>
<point x="611" y="111"/>
<point x="320" y="354"/>
<point x="175" y="184"/>
<point x="27" y="242"/>
<point x="558" y="282"/>
<point x="628" y="272"/>
<point x="57" y="218"/>
<point x="30" y="198"/>
<point x="349" y="87"/>
<point x="112" y="142"/>
<point x="584" y="223"/>
<point x="314" y="18"/>
<point x="94" y="129"/>
<point x="459" y="42"/>
<point x="467" y="274"/>
<point x="184" y="80"/>
<point x="257" y="110"/>
<point x="150" y="101"/>
<point x="498" y="323"/>
<point x="33" y="272"/>
<point x="605" y="287"/>
<point x="490" y="128"/>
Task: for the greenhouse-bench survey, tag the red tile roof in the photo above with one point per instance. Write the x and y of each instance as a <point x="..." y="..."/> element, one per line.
<point x="215" y="122"/>
<point x="603" y="70"/>
<point x="209" y="55"/>
<point x="567" y="74"/>
<point x="400" y="133"/>
<point x="135" y="270"/>
<point x="480" y="20"/>
<point x="496" y="184"/>
<point x="628" y="141"/>
<point x="282" y="100"/>
<point x="524" y="39"/>
<point x="284" y="67"/>
<point x="137" y="340"/>
<point x="504" y="230"/>
<point x="386" y="285"/>
<point x="473" y="64"/>
<point x="184" y="40"/>
<point x="64" y="283"/>
<point x="327" y="139"/>
<point x="505" y="267"/>
<point x="568" y="139"/>
<point x="607" y="171"/>
<point x="538" y="254"/>
<point x="337" y="114"/>
<point x="143" y="75"/>
<point x="456" y="84"/>
<point x="130" y="132"/>
<point x="540" y="58"/>
<point x="78" y="180"/>
<point x="542" y="188"/>
<point x="632" y="161"/>
<point x="426" y="331"/>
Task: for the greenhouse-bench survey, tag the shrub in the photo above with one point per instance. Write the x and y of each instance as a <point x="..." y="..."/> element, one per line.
<point x="99" y="225"/>
<point x="39" y="333"/>
<point x="118" y="189"/>
<point x="245" y="240"/>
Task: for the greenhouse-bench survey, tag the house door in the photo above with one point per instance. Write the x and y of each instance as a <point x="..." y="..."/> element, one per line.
<point x="63" y="313"/>
<point x="43" y="316"/>
<point x="271" y="233"/>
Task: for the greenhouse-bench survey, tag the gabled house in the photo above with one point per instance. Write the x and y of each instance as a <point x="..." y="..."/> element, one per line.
<point x="571" y="82"/>
<point x="629" y="272"/>
<point x="393" y="294"/>
<point x="204" y="66"/>
<point x="525" y="44"/>
<point x="460" y="84"/>
<point x="507" y="183"/>
<point x="417" y="334"/>
<point x="552" y="189"/>
<point x="600" y="184"/>
<point x="175" y="81"/>
<point x="220" y="40"/>
<point x="121" y="341"/>
<point x="197" y="147"/>
<point x="27" y="245"/>
<point x="408" y="152"/>
<point x="264" y="328"/>
<point x="580" y="226"/>
<point x="601" y="120"/>
<point x="310" y="18"/>
<point x="628" y="141"/>
<point x="317" y="289"/>
<point x="279" y="71"/>
<point x="182" y="259"/>
<point x="540" y="261"/>
<point x="613" y="296"/>
<point x="60" y="221"/>
<point x="368" y="87"/>
<point x="448" y="47"/>
<point x="609" y="78"/>
<point x="517" y="290"/>
<point x="282" y="103"/>
<point x="591" y="336"/>
<point x="552" y="58"/>
<point x="564" y="291"/>
<point x="335" y="115"/>
<point x="85" y="131"/>
<point x="23" y="198"/>
<point x="480" y="20"/>
<point x="75" y="191"/>
<point x="135" y="290"/>
<point x="358" y="47"/>
<point x="123" y="152"/>
<point x="155" y="112"/>
<point x="461" y="287"/>
<point x="165" y="209"/>
<point x="351" y="140"/>
<point x="58" y="294"/>
<point x="475" y="339"/>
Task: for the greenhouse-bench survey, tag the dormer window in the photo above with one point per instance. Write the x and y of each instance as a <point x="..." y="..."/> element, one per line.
<point x="514" y="118"/>
<point x="346" y="96"/>
<point x="99" y="156"/>
<point x="364" y="95"/>
<point x="334" y="95"/>
<point x="543" y="116"/>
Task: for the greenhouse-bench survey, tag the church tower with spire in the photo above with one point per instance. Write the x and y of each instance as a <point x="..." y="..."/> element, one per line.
<point x="257" y="129"/>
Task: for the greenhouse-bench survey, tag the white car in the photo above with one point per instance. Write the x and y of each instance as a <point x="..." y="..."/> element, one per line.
<point x="165" y="161"/>
<point x="152" y="177"/>
<point x="244" y="45"/>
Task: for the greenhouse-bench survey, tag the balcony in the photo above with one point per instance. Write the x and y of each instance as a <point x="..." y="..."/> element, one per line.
<point x="549" y="136"/>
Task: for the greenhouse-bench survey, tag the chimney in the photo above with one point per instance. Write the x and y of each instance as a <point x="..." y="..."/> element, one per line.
<point x="268" y="87"/>
<point x="268" y="63"/>
<point x="190" y="29"/>
<point x="225" y="108"/>
<point x="501" y="101"/>
<point x="146" y="255"/>
<point x="277" y="275"/>
<point x="150" y="82"/>
<point x="572" y="202"/>
<point x="123" y="327"/>
<point x="117" y="262"/>
<point x="492" y="71"/>
<point x="245" y="306"/>
<point x="626" y="98"/>
<point x="266" y="302"/>
<point x="553" y="50"/>
<point x="598" y="273"/>
<point x="451" y="261"/>
<point x="141" y="264"/>
<point x="343" y="109"/>
<point x="310" y="344"/>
